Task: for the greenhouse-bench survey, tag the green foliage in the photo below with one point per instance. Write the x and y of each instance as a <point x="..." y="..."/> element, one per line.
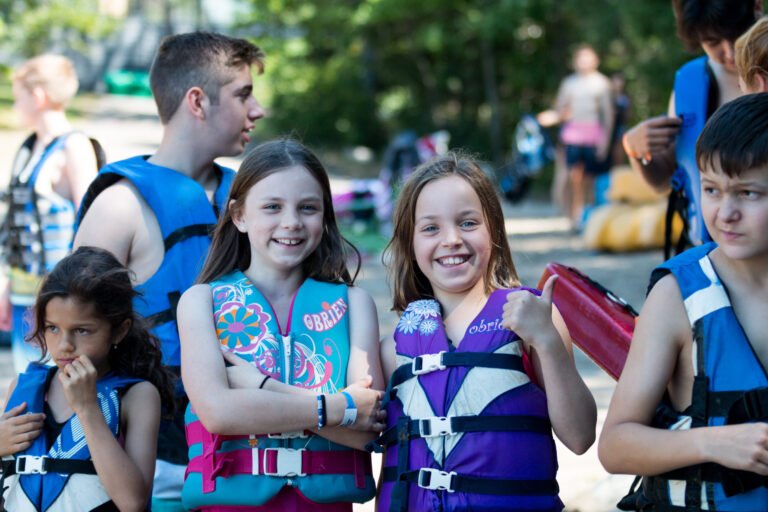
<point x="356" y="71"/>
<point x="29" y="27"/>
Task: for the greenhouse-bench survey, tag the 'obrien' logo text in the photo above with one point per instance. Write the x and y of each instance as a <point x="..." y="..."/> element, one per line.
<point x="325" y="320"/>
<point x="484" y="326"/>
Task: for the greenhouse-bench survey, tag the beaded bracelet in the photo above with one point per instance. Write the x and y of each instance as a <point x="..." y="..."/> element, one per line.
<point x="321" y="416"/>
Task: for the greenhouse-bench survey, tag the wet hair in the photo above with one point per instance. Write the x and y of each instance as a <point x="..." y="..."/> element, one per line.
<point x="752" y="52"/>
<point x="408" y="281"/>
<point x="736" y="136"/>
<point x="700" y="20"/>
<point x="94" y="276"/>
<point x="231" y="250"/>
<point x="54" y="74"/>
<point x="197" y="59"/>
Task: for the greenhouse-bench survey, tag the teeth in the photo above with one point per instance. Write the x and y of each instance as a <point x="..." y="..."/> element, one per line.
<point x="453" y="260"/>
<point x="288" y="241"/>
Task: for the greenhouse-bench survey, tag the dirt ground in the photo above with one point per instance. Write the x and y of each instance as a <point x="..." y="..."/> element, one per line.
<point x="127" y="126"/>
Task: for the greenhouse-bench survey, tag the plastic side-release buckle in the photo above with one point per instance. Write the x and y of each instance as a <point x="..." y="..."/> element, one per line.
<point x="288" y="462"/>
<point x="427" y="363"/>
<point x="435" y="426"/>
<point x="436" y="480"/>
<point x="30" y="465"/>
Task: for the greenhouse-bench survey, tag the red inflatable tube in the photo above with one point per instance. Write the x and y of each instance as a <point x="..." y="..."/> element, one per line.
<point x="600" y="322"/>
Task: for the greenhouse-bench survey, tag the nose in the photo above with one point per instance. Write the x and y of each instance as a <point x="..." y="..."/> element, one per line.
<point x="66" y="342"/>
<point x="291" y="219"/>
<point x="727" y="50"/>
<point x="451" y="237"/>
<point x="256" y="111"/>
<point x="729" y="210"/>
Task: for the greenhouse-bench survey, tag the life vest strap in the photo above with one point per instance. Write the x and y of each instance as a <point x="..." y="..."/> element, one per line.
<point x="185" y="232"/>
<point x="33" y="465"/>
<point x="196" y="433"/>
<point x="435" y="479"/>
<point x="283" y="462"/>
<point x="427" y="363"/>
<point x="444" y="426"/>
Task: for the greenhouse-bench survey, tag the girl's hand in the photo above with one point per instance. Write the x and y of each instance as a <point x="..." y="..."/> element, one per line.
<point x="370" y="416"/>
<point x="78" y="379"/>
<point x="530" y="316"/>
<point x="651" y="137"/>
<point x="17" y="430"/>
<point x="742" y="447"/>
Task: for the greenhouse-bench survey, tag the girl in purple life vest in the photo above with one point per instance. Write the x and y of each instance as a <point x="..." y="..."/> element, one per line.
<point x="283" y="429"/>
<point x="481" y="368"/>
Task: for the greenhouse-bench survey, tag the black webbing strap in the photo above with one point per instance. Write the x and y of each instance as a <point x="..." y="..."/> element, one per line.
<point x="459" y="424"/>
<point x="167" y="315"/>
<point x="453" y="359"/>
<point x="190" y="231"/>
<point x="468" y="484"/>
<point x="399" y="501"/>
<point x="49" y="465"/>
<point x="677" y="203"/>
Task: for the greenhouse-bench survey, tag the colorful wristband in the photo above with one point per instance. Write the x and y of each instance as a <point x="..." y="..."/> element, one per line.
<point x="350" y="413"/>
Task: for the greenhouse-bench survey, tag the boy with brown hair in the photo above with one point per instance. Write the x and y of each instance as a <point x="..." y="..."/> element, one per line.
<point x="51" y="172"/>
<point x="155" y="213"/>
<point x="700" y="347"/>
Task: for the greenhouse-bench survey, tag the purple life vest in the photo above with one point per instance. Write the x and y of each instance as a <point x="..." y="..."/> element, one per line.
<point x="466" y="427"/>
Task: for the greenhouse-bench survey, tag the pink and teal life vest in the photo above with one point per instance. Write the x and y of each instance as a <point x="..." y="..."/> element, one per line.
<point x="467" y="429"/>
<point x="311" y="352"/>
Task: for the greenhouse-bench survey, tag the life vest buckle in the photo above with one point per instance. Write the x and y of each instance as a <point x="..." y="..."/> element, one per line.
<point x="436" y="480"/>
<point x="287" y="462"/>
<point x="31" y="465"/>
<point x="435" y="426"/>
<point x="427" y="363"/>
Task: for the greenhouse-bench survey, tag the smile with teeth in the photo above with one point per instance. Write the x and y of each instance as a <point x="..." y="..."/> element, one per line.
<point x="288" y="241"/>
<point x="452" y="260"/>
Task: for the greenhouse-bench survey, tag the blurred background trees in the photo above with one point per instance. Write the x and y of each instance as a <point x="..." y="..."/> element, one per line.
<point x="354" y="72"/>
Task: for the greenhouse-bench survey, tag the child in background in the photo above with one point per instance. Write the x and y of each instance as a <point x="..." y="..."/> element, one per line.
<point x="50" y="174"/>
<point x="82" y="433"/>
<point x="752" y="58"/>
<point x="700" y="347"/>
<point x="278" y="299"/>
<point x="472" y="358"/>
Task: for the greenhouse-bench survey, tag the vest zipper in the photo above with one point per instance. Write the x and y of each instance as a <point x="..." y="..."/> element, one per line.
<point x="287" y="359"/>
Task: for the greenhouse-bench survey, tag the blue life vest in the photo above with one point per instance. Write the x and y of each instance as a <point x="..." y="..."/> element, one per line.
<point x="39" y="226"/>
<point x="63" y="477"/>
<point x="313" y="353"/>
<point x="692" y="85"/>
<point x="186" y="219"/>
<point x="730" y="387"/>
<point x="466" y="427"/>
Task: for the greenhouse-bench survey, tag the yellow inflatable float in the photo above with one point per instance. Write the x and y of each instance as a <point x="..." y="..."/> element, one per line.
<point x="632" y="220"/>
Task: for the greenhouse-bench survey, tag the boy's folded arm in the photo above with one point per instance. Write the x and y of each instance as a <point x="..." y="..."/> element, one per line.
<point x="657" y="362"/>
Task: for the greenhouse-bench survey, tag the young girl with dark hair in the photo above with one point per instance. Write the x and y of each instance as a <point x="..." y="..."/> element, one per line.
<point x="283" y="428"/>
<point x="83" y="432"/>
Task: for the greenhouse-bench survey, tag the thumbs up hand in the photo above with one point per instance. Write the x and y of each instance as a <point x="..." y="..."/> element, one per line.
<point x="530" y="316"/>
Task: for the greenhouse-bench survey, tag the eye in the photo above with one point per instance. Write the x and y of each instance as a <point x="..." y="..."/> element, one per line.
<point x="51" y="328"/>
<point x="750" y="194"/>
<point x="429" y="228"/>
<point x="469" y="224"/>
<point x="82" y="331"/>
<point x="709" y="191"/>
<point x="271" y="206"/>
<point x="310" y="208"/>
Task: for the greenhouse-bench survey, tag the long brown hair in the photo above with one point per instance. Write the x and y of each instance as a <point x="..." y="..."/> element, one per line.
<point x="230" y="249"/>
<point x="94" y="276"/>
<point x="408" y="281"/>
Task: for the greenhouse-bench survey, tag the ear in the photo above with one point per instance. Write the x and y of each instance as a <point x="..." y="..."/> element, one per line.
<point x="41" y="98"/>
<point x="121" y="331"/>
<point x="196" y="102"/>
<point x="760" y="81"/>
<point x="237" y="216"/>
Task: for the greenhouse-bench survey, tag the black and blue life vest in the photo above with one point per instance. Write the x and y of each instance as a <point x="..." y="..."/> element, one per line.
<point x="62" y="477"/>
<point x="186" y="218"/>
<point x="693" y="99"/>
<point x="730" y="387"/>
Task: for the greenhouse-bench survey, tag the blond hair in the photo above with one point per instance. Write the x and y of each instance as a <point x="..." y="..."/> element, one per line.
<point x="54" y="74"/>
<point x="752" y="52"/>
